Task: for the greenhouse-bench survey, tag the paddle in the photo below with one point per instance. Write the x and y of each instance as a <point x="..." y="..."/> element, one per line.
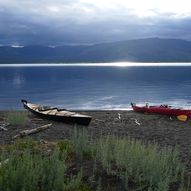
<point x="182" y="117"/>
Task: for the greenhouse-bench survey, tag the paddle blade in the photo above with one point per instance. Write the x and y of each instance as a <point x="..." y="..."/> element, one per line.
<point x="182" y="117"/>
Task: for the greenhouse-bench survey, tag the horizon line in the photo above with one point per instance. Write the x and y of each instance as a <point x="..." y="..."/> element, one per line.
<point x="112" y="64"/>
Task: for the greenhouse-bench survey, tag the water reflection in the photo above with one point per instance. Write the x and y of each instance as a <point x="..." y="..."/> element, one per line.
<point x="18" y="80"/>
<point x="94" y="87"/>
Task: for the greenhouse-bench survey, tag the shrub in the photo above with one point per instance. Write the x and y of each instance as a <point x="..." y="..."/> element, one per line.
<point x="81" y="145"/>
<point x="31" y="171"/>
<point x="17" y="118"/>
<point x="148" y="167"/>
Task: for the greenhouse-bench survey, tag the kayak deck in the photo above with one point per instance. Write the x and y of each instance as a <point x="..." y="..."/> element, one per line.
<point x="57" y="114"/>
<point x="54" y="111"/>
<point x="162" y="109"/>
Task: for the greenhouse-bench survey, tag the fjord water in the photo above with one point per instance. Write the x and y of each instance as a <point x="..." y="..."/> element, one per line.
<point x="94" y="87"/>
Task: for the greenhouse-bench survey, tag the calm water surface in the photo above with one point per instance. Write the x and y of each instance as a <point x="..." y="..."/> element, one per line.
<point x="94" y="87"/>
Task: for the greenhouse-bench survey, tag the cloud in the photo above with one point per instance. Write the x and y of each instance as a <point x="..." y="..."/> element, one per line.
<point x="91" y="21"/>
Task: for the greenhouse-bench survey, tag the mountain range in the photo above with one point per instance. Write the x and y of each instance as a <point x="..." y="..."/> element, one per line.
<point x="139" y="50"/>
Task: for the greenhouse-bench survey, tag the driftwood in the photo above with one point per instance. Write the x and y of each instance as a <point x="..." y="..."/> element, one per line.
<point x="36" y="119"/>
<point x="136" y="121"/>
<point x="32" y="131"/>
<point x="119" y="116"/>
<point x="3" y="126"/>
<point x="100" y="120"/>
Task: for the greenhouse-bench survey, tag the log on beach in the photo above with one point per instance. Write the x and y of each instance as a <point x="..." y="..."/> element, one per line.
<point x="3" y="126"/>
<point x="32" y="131"/>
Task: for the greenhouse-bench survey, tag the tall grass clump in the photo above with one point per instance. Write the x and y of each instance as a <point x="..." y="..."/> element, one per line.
<point x="21" y="146"/>
<point x="29" y="171"/>
<point x="138" y="165"/>
<point x="148" y="167"/>
<point x="82" y="146"/>
<point x="17" y="118"/>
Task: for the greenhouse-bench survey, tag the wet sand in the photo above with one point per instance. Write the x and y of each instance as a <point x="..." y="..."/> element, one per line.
<point x="158" y="129"/>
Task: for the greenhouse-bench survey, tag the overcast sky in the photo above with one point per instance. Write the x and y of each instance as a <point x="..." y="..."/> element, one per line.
<point x="56" y="22"/>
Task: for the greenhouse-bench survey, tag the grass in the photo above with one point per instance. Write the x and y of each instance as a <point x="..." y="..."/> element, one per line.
<point x="82" y="146"/>
<point x="147" y="167"/>
<point x="31" y="166"/>
<point x="17" y="118"/>
<point x="144" y="167"/>
<point x="28" y="170"/>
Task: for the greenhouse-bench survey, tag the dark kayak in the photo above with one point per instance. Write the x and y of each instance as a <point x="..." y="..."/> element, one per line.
<point x="57" y="114"/>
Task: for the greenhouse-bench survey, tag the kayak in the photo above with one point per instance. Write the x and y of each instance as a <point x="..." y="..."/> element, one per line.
<point x="56" y="114"/>
<point x="161" y="109"/>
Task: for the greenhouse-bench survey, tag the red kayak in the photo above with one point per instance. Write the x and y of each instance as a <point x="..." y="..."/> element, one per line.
<point x="162" y="109"/>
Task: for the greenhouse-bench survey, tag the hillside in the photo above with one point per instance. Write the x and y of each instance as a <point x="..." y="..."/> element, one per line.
<point x="141" y="50"/>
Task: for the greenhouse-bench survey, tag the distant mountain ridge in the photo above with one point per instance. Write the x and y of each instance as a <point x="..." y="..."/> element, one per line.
<point x="140" y="50"/>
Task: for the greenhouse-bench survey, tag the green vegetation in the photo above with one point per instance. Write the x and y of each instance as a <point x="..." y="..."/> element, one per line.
<point x="17" y="118"/>
<point x="27" y="169"/>
<point x="146" y="166"/>
<point x="29" y="165"/>
<point x="83" y="147"/>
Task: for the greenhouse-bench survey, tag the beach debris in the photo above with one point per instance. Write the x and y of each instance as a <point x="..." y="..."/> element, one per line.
<point x="32" y="131"/>
<point x="119" y="116"/>
<point x="136" y="121"/>
<point x="3" y="126"/>
<point x="182" y="117"/>
<point x="36" y="119"/>
<point x="4" y="162"/>
<point x="99" y="120"/>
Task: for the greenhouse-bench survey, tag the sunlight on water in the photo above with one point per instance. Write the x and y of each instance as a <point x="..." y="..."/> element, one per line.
<point x="113" y="64"/>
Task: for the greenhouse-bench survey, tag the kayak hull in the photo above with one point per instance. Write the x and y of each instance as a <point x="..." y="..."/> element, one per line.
<point x="69" y="117"/>
<point x="162" y="109"/>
